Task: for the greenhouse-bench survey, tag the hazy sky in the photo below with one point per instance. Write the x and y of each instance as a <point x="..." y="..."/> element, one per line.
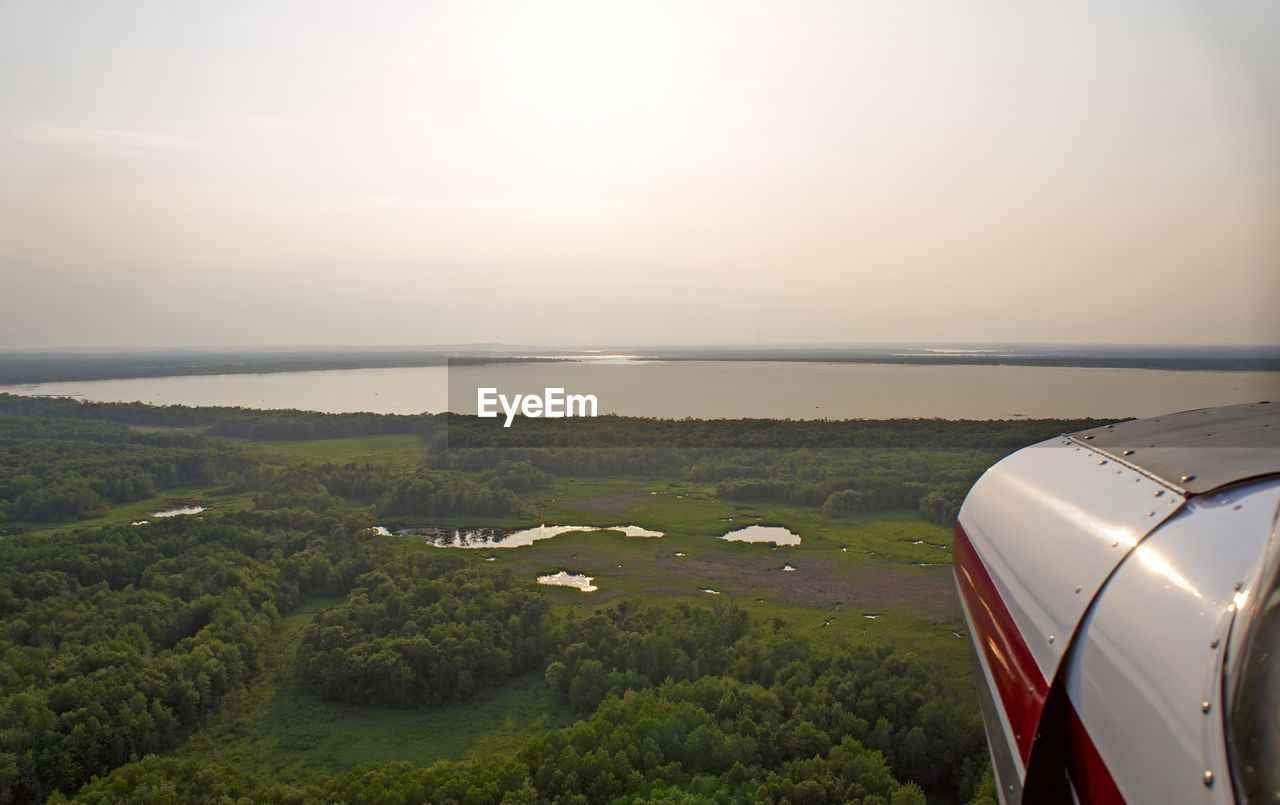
<point x="236" y="173"/>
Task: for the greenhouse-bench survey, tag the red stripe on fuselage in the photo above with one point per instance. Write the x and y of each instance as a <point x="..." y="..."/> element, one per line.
<point x="1021" y="687"/>
<point x="1089" y="773"/>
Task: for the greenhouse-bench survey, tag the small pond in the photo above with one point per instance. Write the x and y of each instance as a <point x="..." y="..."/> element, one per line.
<point x="763" y="533"/>
<point x="563" y="579"/>
<point x="449" y="537"/>
<point x="178" y="512"/>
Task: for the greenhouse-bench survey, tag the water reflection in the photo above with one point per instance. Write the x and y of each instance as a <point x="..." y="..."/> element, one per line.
<point x="763" y="533"/>
<point x="451" y="537"/>
<point x="178" y="512"/>
<point x="634" y="531"/>
<point x="563" y="579"/>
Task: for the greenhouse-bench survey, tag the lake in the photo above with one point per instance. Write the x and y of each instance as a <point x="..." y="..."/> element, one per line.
<point x="713" y="389"/>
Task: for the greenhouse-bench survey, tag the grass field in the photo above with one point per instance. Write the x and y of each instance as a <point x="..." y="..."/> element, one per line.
<point x="388" y="451"/>
<point x="894" y="566"/>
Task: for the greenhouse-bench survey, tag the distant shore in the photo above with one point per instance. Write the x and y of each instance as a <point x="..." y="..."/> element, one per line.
<point x="29" y="366"/>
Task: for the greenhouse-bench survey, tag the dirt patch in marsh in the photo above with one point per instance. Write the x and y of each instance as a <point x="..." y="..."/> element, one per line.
<point x="816" y="583"/>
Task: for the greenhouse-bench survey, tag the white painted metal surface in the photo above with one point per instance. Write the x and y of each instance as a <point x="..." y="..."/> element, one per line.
<point x="1050" y="523"/>
<point x="1145" y="674"/>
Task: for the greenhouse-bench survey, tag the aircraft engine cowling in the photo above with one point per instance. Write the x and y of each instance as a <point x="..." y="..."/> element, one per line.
<point x="1120" y="590"/>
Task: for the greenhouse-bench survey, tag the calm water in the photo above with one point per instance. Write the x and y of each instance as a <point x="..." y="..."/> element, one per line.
<point x="563" y="579"/>
<point x="709" y="389"/>
<point x="450" y="537"/>
<point x="764" y="533"/>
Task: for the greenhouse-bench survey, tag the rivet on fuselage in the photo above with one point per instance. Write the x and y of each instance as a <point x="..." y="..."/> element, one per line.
<point x="1078" y="589"/>
<point x="1213" y="643"/>
<point x="1159" y="493"/>
<point x="1208" y="779"/>
<point x="1204" y="707"/>
<point x="1050" y="639"/>
<point x="1127" y="453"/>
<point x="1103" y="461"/>
<point x="1188" y="478"/>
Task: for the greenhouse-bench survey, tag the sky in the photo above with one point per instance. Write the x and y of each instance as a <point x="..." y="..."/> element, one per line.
<point x="594" y="172"/>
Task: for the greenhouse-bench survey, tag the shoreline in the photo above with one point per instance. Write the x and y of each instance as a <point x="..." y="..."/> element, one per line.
<point x="22" y="368"/>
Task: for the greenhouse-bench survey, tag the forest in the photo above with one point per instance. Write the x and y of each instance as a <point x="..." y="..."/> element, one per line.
<point x="120" y="643"/>
<point x="136" y="648"/>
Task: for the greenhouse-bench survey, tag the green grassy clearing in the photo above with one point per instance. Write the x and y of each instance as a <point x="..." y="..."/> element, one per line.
<point x="331" y="736"/>
<point x="137" y="510"/>
<point x="845" y="568"/>
<point x="282" y="732"/>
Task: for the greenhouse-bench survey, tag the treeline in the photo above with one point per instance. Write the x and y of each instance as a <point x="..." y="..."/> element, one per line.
<point x="787" y="698"/>
<point x="68" y="468"/>
<point x="415" y="492"/>
<point x="63" y="469"/>
<point x="425" y="637"/>
<point x="118" y="642"/>
<point x="245" y="423"/>
<point x="566" y="767"/>
<point x="642" y="462"/>
<point x="691" y="705"/>
<point x="299" y="425"/>
<point x="462" y="431"/>
<point x="43" y="367"/>
<point x="60" y="469"/>
<point x="619" y="431"/>
<point x="847" y="483"/>
<point x="843" y="482"/>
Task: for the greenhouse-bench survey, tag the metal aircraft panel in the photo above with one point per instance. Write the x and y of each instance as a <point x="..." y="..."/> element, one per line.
<point x="1196" y="451"/>
<point x="1050" y="523"/>
<point x="1145" y="671"/>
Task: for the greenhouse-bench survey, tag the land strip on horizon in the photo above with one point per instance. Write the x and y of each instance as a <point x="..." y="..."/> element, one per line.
<point x="44" y="366"/>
